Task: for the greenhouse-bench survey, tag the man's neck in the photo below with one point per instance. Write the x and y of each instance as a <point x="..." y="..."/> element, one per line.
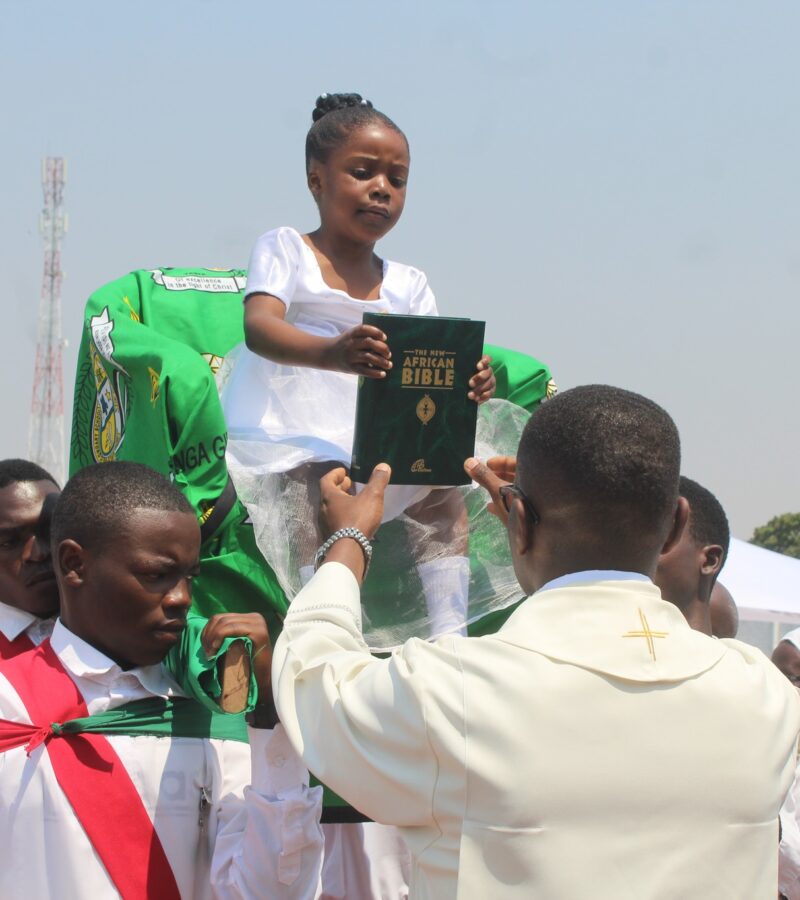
<point x="698" y="615"/>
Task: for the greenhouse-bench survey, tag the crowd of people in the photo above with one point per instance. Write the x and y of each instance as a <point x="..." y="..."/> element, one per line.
<point x="598" y="709"/>
<point x="610" y="740"/>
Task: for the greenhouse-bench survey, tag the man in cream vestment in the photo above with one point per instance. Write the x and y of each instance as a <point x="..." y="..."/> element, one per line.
<point x="596" y="746"/>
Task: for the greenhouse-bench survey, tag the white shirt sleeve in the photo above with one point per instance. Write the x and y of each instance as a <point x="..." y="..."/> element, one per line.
<point x="789" y="852"/>
<point x="270" y="844"/>
<point x="359" y="722"/>
<point x="274" y="264"/>
<point x="421" y="302"/>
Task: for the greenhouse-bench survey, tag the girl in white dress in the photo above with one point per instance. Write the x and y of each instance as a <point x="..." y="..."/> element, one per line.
<point x="289" y="397"/>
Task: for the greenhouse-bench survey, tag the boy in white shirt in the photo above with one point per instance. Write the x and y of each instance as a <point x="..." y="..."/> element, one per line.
<point x="105" y="808"/>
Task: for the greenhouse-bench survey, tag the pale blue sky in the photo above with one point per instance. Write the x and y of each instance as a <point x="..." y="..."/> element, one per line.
<point x="613" y="186"/>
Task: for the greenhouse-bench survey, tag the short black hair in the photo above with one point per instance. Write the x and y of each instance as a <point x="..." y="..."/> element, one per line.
<point x="13" y="471"/>
<point x="97" y="501"/>
<point x="335" y="118"/>
<point x="613" y="453"/>
<point x="708" y="523"/>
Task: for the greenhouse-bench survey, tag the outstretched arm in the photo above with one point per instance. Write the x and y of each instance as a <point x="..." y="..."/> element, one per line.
<point x="267" y="839"/>
<point x="361" y="723"/>
<point x="361" y="350"/>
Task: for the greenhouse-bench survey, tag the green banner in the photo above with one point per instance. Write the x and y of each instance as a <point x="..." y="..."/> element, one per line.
<point x="145" y="391"/>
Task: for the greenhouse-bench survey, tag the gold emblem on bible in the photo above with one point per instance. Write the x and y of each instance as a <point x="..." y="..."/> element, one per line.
<point x="419" y="466"/>
<point x="426" y="409"/>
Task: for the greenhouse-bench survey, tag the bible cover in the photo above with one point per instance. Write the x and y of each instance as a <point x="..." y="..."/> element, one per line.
<point x="419" y="418"/>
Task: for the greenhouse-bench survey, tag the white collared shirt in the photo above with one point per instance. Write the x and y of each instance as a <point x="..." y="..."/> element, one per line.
<point x="13" y="622"/>
<point x="103" y="684"/>
<point x="222" y="838"/>
<point x="591" y="575"/>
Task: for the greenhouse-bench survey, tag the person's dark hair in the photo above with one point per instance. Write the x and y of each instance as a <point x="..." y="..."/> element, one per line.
<point x="96" y="501"/>
<point x="13" y="471"/>
<point x="613" y="454"/>
<point x="708" y="523"/>
<point x="336" y="117"/>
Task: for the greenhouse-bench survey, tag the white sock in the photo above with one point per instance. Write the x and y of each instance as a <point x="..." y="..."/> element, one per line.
<point x="445" y="583"/>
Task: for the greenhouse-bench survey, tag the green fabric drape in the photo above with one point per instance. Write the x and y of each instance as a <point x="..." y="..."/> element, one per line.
<point x="172" y="717"/>
<point x="197" y="674"/>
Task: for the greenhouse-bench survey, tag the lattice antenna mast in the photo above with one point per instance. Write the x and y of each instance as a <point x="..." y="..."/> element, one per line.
<point x="46" y="435"/>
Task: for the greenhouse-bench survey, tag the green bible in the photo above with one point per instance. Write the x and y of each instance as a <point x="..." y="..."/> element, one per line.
<point x="419" y="418"/>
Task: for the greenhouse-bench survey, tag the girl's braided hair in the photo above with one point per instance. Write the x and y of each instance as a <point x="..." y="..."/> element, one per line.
<point x="336" y="117"/>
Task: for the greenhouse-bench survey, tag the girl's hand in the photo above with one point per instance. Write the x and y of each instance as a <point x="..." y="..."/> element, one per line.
<point x="362" y="351"/>
<point x="483" y="383"/>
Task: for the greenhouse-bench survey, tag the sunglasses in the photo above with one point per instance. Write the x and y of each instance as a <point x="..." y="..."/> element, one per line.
<point x="507" y="494"/>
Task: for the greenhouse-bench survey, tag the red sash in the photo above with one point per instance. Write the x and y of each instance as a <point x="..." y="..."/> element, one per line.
<point x="93" y="779"/>
<point x="12" y="648"/>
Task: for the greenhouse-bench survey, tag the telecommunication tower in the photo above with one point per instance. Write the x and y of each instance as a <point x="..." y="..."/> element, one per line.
<point x="46" y="435"/>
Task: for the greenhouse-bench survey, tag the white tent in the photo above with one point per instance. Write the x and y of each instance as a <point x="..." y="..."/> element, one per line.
<point x="764" y="585"/>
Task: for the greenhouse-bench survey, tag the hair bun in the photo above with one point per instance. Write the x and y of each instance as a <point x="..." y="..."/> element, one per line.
<point x="329" y="102"/>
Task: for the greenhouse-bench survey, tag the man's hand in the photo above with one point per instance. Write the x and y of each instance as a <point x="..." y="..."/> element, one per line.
<point x="253" y="626"/>
<point x="483" y="383"/>
<point x="492" y="475"/>
<point x="362" y="351"/>
<point x="339" y="508"/>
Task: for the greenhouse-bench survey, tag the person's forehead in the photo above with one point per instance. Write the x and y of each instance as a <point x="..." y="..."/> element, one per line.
<point x="21" y="502"/>
<point x="151" y="530"/>
<point x="376" y="139"/>
<point x="787" y="653"/>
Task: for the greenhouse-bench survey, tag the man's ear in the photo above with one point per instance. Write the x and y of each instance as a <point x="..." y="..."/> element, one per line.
<point x="712" y="559"/>
<point x="679" y="520"/>
<point x="70" y="559"/>
<point x="522" y="528"/>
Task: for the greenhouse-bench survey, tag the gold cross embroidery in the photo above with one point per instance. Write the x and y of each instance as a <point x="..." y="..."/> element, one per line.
<point x="647" y="634"/>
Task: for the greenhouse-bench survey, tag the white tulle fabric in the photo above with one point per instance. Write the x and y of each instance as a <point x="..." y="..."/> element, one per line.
<point x="415" y="586"/>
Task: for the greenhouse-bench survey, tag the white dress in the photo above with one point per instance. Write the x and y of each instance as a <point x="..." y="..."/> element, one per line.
<point x="283" y="418"/>
<point x="309" y="411"/>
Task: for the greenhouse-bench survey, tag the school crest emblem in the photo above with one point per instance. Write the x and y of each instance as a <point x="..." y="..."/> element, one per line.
<point x="110" y="408"/>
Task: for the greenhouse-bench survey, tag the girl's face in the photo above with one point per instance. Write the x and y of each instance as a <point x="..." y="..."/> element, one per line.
<point x="361" y="189"/>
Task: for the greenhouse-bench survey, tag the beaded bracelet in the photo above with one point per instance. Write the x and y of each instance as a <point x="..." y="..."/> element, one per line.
<point x="354" y="533"/>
